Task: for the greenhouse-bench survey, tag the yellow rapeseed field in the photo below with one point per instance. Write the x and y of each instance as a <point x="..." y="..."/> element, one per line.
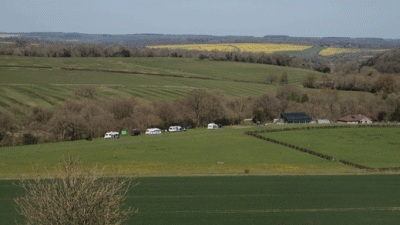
<point x="235" y="47"/>
<point x="333" y="51"/>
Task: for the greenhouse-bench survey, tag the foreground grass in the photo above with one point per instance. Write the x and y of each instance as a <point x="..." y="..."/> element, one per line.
<point x="369" y="199"/>
<point x="371" y="147"/>
<point x="195" y="152"/>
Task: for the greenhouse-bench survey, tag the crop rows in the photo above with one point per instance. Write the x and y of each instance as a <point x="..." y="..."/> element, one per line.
<point x="41" y="81"/>
<point x="366" y="200"/>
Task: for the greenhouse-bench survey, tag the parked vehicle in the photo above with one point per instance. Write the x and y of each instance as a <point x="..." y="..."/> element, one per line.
<point x="135" y="133"/>
<point x="212" y="126"/>
<point x="112" y="135"/>
<point x="153" y="131"/>
<point x="175" y="129"/>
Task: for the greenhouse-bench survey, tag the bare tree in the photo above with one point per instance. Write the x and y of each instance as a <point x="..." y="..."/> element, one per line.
<point x="284" y="79"/>
<point x="272" y="78"/>
<point x="73" y="197"/>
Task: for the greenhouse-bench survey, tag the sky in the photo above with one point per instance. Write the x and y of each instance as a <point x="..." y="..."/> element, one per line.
<point x="305" y="18"/>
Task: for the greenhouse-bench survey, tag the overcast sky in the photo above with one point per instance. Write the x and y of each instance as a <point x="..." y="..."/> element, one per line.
<point x="301" y="18"/>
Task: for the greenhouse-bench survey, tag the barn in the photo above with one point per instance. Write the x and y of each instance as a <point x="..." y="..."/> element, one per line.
<point x="355" y="119"/>
<point x="298" y="117"/>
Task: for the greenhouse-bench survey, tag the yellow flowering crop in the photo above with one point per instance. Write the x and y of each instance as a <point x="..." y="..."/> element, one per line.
<point x="333" y="51"/>
<point x="234" y="47"/>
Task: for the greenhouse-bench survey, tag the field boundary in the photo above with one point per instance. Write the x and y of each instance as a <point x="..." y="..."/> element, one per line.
<point x="318" y="154"/>
<point x="135" y="72"/>
<point x="159" y="74"/>
<point x="36" y="67"/>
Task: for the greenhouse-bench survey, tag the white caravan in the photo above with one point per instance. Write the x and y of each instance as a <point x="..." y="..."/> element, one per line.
<point x="112" y="135"/>
<point x="212" y="126"/>
<point x="153" y="131"/>
<point x="175" y="129"/>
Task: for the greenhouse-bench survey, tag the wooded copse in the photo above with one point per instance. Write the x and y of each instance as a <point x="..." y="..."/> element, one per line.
<point x="377" y="74"/>
<point x="83" y="117"/>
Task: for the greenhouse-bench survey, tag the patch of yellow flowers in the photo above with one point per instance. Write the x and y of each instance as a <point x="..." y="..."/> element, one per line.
<point x="237" y="47"/>
<point x="333" y="51"/>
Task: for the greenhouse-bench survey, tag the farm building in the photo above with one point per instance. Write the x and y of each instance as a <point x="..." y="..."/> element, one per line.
<point x="355" y="119"/>
<point x="300" y="117"/>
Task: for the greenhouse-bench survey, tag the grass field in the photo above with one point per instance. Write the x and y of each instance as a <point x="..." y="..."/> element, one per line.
<point x="314" y="51"/>
<point x="50" y="87"/>
<point x="195" y="152"/>
<point x="372" y="199"/>
<point x="371" y="147"/>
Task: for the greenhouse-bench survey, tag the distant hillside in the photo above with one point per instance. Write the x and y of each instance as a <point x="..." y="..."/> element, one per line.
<point x="142" y="40"/>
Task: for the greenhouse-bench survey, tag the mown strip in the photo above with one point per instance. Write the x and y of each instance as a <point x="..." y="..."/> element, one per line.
<point x="321" y="155"/>
<point x="162" y="75"/>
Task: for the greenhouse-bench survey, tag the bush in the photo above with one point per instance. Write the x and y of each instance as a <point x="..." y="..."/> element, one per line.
<point x="72" y="197"/>
<point x="29" y="139"/>
<point x="85" y="92"/>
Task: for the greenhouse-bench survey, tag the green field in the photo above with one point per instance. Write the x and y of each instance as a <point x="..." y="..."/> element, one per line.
<point x="195" y="152"/>
<point x="371" y="199"/>
<point x="371" y="147"/>
<point x="313" y="51"/>
<point x="49" y="87"/>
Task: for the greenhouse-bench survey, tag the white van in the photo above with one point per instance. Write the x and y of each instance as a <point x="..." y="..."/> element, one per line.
<point x="112" y="135"/>
<point x="212" y="126"/>
<point x="153" y="131"/>
<point x="175" y="129"/>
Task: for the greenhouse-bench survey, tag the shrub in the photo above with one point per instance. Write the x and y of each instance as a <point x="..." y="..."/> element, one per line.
<point x="72" y="197"/>
<point x="85" y="92"/>
<point x="29" y="139"/>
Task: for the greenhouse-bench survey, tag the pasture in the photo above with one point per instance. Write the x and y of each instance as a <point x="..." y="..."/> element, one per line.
<point x="348" y="199"/>
<point x="195" y="152"/>
<point x="50" y="87"/>
<point x="372" y="147"/>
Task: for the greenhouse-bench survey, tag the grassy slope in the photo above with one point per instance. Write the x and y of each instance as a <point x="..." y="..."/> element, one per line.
<point x="372" y="147"/>
<point x="191" y="152"/>
<point x="274" y="200"/>
<point x="190" y="67"/>
<point x="53" y="86"/>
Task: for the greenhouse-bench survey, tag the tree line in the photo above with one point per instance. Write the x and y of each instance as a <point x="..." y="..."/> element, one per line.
<point x="83" y="117"/>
